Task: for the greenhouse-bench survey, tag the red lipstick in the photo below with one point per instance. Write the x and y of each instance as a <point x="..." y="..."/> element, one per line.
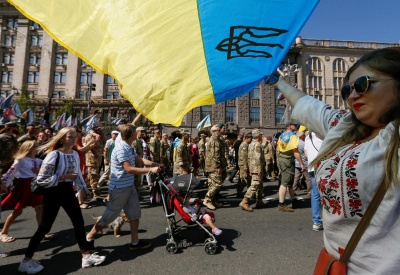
<point x="357" y="106"/>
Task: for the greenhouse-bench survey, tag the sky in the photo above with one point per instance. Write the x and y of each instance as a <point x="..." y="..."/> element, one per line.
<point x="355" y="20"/>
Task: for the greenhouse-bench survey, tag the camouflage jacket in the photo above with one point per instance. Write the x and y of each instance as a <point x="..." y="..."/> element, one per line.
<point x="9" y="146"/>
<point x="95" y="154"/>
<point x="155" y="148"/>
<point x="225" y="149"/>
<point x="215" y="153"/>
<point x="137" y="145"/>
<point x="243" y="154"/>
<point x="269" y="151"/>
<point x="255" y="157"/>
<point x="182" y="156"/>
<point x="202" y="148"/>
<point x="164" y="146"/>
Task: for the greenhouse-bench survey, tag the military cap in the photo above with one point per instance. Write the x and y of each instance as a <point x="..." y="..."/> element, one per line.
<point x="220" y="125"/>
<point x="140" y="128"/>
<point x="202" y="135"/>
<point x="11" y="124"/>
<point x="184" y="131"/>
<point x="256" y="133"/>
<point x="156" y="131"/>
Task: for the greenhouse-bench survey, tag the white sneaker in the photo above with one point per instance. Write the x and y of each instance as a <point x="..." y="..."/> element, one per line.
<point x="317" y="227"/>
<point x="30" y="267"/>
<point x="92" y="259"/>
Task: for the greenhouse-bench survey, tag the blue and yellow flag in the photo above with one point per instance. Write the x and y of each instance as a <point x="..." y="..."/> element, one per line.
<point x="287" y="142"/>
<point x="170" y="56"/>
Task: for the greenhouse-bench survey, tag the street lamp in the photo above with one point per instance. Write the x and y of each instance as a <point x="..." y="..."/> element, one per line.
<point x="289" y="70"/>
<point x="91" y="86"/>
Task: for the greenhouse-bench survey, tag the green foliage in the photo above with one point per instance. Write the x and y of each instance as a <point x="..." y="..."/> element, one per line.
<point x="24" y="101"/>
<point x="67" y="108"/>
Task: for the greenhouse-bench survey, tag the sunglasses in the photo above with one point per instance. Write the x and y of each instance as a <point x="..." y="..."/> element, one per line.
<point x="361" y="85"/>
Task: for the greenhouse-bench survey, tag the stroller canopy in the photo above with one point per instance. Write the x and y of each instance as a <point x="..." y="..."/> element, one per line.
<point x="185" y="183"/>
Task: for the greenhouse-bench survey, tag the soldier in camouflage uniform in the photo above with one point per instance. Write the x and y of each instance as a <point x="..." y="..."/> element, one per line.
<point x="269" y="154"/>
<point x="155" y="147"/>
<point x="256" y="164"/>
<point x="244" y="180"/>
<point x="225" y="148"/>
<point x="182" y="155"/>
<point x="202" y="151"/>
<point x="8" y="146"/>
<point x="137" y="145"/>
<point x="215" y="166"/>
<point x="164" y="146"/>
<point x="94" y="158"/>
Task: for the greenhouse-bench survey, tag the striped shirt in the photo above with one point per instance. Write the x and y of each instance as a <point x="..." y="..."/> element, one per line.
<point x="119" y="177"/>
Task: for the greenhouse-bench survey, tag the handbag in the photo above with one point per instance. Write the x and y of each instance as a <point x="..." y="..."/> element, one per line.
<point x="39" y="189"/>
<point x="326" y="263"/>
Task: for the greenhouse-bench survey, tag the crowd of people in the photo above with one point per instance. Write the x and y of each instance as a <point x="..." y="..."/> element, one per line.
<point x="342" y="158"/>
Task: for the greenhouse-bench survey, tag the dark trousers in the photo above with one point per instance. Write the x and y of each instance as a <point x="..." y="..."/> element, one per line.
<point x="56" y="197"/>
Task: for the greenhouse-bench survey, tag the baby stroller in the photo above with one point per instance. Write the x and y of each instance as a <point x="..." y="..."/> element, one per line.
<point x="173" y="196"/>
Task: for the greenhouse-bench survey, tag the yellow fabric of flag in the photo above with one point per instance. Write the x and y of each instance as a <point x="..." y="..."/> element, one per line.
<point x="114" y="37"/>
<point x="288" y="146"/>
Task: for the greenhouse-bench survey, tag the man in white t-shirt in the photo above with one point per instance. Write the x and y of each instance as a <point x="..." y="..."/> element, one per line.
<point x="311" y="148"/>
<point x="108" y="148"/>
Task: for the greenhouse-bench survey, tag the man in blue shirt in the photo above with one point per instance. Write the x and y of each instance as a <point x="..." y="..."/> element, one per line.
<point x="125" y="163"/>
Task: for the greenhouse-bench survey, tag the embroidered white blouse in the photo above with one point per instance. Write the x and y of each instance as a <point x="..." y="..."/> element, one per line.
<point x="21" y="168"/>
<point x="347" y="182"/>
<point x="67" y="164"/>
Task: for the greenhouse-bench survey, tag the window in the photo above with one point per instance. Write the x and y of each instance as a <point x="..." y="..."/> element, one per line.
<point x="36" y="25"/>
<point x="35" y="58"/>
<point x="315" y="82"/>
<point x="36" y="40"/>
<point x="33" y="77"/>
<point x="111" y="80"/>
<point x="82" y="95"/>
<point x="280" y="115"/>
<point x="205" y="111"/>
<point x="8" y="58"/>
<point x="12" y="22"/>
<point x="230" y="114"/>
<point x="4" y="94"/>
<point x="339" y="65"/>
<point x="58" y="94"/>
<point x="254" y="114"/>
<point x="10" y="40"/>
<point x="59" y="77"/>
<point x="318" y="96"/>
<point x="112" y="95"/>
<point x="6" y="77"/>
<point x="86" y="77"/>
<point x="105" y="115"/>
<point x="255" y="93"/>
<point x="314" y="64"/>
<point x="62" y="59"/>
<point x="337" y="83"/>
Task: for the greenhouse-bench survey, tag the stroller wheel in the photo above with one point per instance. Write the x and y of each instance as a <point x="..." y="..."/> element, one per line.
<point x="210" y="248"/>
<point x="171" y="247"/>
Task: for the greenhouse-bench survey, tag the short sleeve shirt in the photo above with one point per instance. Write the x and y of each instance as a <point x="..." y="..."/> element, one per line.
<point x="119" y="178"/>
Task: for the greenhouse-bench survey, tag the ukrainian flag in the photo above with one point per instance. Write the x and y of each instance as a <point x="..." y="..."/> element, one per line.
<point x="170" y="56"/>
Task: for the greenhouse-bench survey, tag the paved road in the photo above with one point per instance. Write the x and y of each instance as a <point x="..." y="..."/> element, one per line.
<point x="265" y="241"/>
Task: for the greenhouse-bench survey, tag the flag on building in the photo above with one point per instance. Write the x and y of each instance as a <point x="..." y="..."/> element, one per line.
<point x="180" y="56"/>
<point x="68" y="122"/>
<point x="206" y="122"/>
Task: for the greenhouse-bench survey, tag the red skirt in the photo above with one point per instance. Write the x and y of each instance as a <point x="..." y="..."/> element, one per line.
<point x="21" y="196"/>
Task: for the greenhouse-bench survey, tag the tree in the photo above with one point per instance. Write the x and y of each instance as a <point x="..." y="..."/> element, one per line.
<point x="68" y="108"/>
<point x="24" y="100"/>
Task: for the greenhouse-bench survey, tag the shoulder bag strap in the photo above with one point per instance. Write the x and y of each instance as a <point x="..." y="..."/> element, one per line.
<point x="57" y="160"/>
<point x="364" y="222"/>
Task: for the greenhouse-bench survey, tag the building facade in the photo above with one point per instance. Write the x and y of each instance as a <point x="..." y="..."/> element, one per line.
<point x="32" y="62"/>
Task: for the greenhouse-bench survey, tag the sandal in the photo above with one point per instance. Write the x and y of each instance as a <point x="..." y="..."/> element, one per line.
<point x="4" y="254"/>
<point x="4" y="238"/>
<point x="84" y="206"/>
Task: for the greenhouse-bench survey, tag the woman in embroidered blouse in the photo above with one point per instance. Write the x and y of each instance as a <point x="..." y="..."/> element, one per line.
<point x="359" y="152"/>
<point x="24" y="169"/>
<point x="58" y="181"/>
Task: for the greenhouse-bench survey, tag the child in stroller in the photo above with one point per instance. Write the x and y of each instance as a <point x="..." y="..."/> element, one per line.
<point x="176" y="199"/>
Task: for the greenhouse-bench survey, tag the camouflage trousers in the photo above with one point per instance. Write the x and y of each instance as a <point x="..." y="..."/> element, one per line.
<point x="93" y="177"/>
<point x="269" y="168"/>
<point x="244" y="180"/>
<point x="214" y="185"/>
<point x="256" y="187"/>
